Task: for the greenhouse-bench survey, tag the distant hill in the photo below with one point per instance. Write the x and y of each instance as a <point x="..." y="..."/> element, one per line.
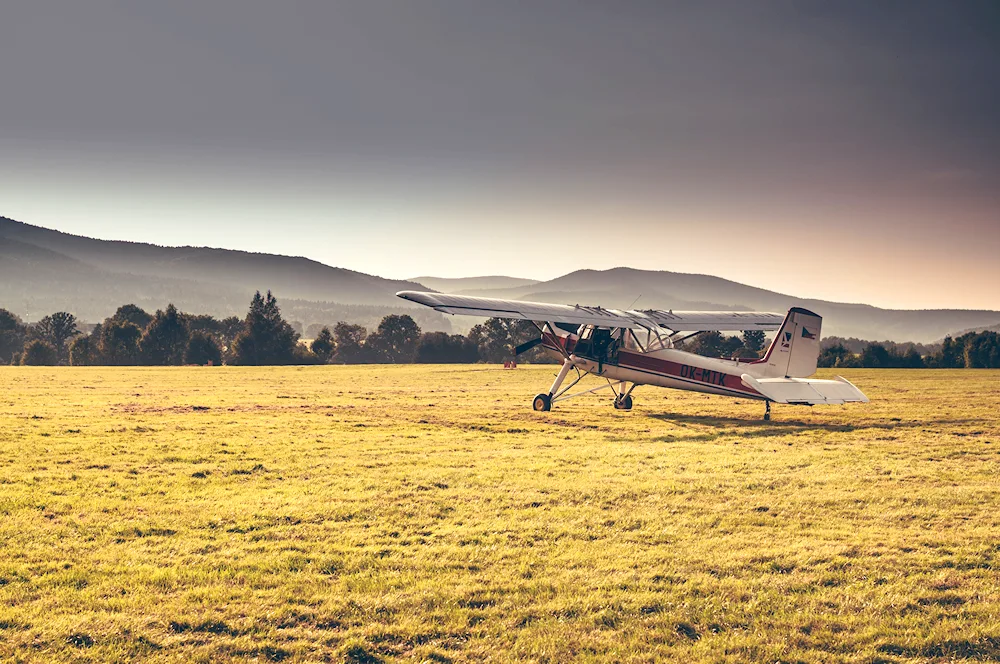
<point x="620" y="288"/>
<point x="42" y="271"/>
<point x="468" y="285"/>
<point x="988" y="328"/>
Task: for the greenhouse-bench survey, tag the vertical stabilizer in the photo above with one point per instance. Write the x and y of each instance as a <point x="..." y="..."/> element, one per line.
<point x="795" y="349"/>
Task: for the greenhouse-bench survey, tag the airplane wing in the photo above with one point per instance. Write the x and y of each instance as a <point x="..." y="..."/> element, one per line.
<point x="810" y="391"/>
<point x="704" y="321"/>
<point x="677" y="321"/>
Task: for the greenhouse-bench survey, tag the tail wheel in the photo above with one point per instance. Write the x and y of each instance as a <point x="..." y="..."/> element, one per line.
<point x="542" y="402"/>
<point x="624" y="404"/>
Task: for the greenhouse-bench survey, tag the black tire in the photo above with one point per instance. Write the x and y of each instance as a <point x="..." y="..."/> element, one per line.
<point x="624" y="404"/>
<point x="542" y="402"/>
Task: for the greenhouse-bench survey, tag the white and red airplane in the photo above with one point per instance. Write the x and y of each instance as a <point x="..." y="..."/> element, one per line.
<point x="630" y="348"/>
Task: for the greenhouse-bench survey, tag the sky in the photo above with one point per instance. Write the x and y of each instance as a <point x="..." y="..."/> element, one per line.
<point x="848" y="151"/>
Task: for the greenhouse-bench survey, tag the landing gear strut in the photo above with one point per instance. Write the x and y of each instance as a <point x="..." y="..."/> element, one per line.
<point x="767" y="411"/>
<point x="543" y="402"/>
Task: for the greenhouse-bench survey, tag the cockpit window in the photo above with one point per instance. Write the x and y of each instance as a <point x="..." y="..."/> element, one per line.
<point x="653" y="341"/>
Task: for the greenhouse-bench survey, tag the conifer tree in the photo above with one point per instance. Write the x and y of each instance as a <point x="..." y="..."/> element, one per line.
<point x="266" y="337"/>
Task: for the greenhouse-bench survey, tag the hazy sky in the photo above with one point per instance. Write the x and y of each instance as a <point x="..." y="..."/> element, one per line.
<point x="844" y="150"/>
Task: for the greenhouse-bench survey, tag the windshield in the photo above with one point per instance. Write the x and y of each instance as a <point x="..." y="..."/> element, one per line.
<point x="649" y="340"/>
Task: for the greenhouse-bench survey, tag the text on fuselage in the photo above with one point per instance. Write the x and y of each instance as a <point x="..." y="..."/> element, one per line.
<point x="704" y="375"/>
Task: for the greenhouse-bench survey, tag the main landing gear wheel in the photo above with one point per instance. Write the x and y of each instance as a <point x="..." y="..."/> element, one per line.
<point x="624" y="404"/>
<point x="542" y="402"/>
<point x="767" y="411"/>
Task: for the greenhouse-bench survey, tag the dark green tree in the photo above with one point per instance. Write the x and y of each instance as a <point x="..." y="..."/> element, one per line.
<point x="911" y="359"/>
<point x="732" y="346"/>
<point x="130" y="313"/>
<point x="395" y="340"/>
<point x="82" y="352"/>
<point x="753" y="342"/>
<point x="57" y="329"/>
<point x="202" y="323"/>
<point x="951" y="355"/>
<point x="39" y="353"/>
<point x="708" y="344"/>
<point x="165" y="339"/>
<point x="266" y="337"/>
<point x="119" y="345"/>
<point x="12" y="336"/>
<point x="833" y="356"/>
<point x="349" y="340"/>
<point x="492" y="338"/>
<point x="442" y="348"/>
<point x="850" y="361"/>
<point x="229" y="329"/>
<point x="202" y="349"/>
<point x="497" y="338"/>
<point x="522" y="331"/>
<point x="323" y="345"/>
<point x="981" y="350"/>
<point x="875" y="356"/>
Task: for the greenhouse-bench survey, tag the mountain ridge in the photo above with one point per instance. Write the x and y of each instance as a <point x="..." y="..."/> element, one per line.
<point x="44" y="270"/>
<point x="460" y="285"/>
<point x="625" y="288"/>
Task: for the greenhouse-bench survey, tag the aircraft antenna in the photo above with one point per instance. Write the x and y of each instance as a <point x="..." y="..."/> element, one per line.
<point x="635" y="300"/>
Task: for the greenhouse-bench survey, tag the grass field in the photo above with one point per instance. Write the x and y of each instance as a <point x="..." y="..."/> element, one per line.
<point x="364" y="514"/>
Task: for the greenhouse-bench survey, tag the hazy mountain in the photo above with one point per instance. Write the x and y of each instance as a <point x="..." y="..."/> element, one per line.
<point x="620" y="288"/>
<point x="988" y="328"/>
<point x="470" y="285"/>
<point x="42" y="271"/>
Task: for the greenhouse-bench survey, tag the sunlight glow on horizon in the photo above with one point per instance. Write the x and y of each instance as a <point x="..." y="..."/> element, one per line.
<point x="403" y="232"/>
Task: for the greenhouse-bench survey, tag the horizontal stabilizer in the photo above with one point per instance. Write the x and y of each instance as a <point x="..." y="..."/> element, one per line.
<point x="805" y="390"/>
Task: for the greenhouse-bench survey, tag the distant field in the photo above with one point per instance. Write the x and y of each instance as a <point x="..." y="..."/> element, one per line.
<point x="419" y="513"/>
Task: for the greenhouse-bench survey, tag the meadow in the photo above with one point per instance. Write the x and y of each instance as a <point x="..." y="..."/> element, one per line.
<point x="427" y="514"/>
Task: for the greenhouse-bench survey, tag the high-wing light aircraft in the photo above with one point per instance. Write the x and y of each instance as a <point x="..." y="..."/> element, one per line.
<point x="628" y="348"/>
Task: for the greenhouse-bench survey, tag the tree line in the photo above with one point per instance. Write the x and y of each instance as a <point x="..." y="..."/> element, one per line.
<point x="132" y="336"/>
<point x="973" y="350"/>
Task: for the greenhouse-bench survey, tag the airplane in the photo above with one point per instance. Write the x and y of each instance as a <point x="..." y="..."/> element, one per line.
<point x="628" y="348"/>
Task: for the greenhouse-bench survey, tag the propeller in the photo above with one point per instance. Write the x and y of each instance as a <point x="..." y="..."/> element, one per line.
<point x="527" y="345"/>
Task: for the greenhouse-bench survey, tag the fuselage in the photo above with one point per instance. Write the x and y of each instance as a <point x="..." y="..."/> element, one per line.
<point x="664" y="367"/>
<point x="677" y="369"/>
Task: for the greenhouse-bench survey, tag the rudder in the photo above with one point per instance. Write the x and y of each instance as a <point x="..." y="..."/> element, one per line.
<point x="795" y="349"/>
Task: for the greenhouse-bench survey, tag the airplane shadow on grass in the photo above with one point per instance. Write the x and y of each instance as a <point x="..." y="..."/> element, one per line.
<point x="759" y="428"/>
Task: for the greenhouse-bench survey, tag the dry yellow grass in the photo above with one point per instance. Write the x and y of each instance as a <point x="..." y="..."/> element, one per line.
<point x="427" y="514"/>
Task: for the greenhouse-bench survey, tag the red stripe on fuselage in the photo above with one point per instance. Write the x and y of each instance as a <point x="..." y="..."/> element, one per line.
<point x="687" y="372"/>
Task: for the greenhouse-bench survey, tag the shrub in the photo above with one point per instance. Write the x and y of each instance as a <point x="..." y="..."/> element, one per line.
<point x="39" y="353"/>
<point x="202" y="349"/>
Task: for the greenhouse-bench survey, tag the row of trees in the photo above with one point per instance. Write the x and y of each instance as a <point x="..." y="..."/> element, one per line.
<point x="714" y="344"/>
<point x="133" y="336"/>
<point x="974" y="350"/>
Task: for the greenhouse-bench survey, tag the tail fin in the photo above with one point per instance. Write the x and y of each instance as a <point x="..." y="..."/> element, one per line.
<point x="795" y="348"/>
